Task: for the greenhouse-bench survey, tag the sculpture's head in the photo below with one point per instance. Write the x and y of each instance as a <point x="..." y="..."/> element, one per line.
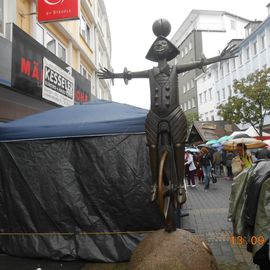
<point x="162" y="48"/>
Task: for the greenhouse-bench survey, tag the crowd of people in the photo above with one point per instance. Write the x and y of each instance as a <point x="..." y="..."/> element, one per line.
<point x="208" y="163"/>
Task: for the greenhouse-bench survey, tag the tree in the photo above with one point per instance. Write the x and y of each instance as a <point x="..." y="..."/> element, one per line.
<point x="251" y="102"/>
<point x="191" y="117"/>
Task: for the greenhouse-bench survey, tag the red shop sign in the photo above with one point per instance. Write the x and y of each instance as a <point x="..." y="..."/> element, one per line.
<point x="57" y="10"/>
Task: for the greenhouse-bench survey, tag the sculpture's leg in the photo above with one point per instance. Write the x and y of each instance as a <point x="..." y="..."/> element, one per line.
<point x="179" y="156"/>
<point x="153" y="152"/>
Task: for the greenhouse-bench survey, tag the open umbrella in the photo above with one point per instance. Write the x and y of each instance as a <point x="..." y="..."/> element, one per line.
<point x="224" y="139"/>
<point x="241" y="135"/>
<point x="212" y="142"/>
<point x="251" y="143"/>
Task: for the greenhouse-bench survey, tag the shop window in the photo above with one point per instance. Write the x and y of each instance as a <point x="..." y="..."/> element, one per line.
<point x="1" y="16"/>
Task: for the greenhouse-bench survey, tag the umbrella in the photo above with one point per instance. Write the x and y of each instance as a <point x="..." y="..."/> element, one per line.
<point x="212" y="142"/>
<point x="241" y="135"/>
<point x="251" y="143"/>
<point x="224" y="139"/>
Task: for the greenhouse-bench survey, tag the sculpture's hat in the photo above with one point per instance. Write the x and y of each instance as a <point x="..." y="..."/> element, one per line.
<point x="161" y="29"/>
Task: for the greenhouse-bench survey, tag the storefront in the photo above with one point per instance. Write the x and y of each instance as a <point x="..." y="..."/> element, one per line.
<point x="22" y="88"/>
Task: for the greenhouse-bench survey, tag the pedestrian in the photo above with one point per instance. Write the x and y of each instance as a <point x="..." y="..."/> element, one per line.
<point x="246" y="159"/>
<point x="262" y="154"/>
<point x="223" y="162"/>
<point x="197" y="162"/>
<point x="217" y="158"/>
<point x="206" y="164"/>
<point x="191" y="169"/>
<point x="229" y="158"/>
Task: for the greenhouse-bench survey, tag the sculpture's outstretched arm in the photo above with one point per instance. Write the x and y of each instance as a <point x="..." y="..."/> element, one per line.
<point x="126" y="75"/>
<point x="228" y="52"/>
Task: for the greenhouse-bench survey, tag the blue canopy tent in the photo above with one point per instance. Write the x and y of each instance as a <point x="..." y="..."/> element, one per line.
<point x="76" y="183"/>
<point x="98" y="118"/>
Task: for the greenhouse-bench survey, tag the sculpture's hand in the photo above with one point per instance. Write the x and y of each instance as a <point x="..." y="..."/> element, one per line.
<point x="104" y="73"/>
<point x="229" y="52"/>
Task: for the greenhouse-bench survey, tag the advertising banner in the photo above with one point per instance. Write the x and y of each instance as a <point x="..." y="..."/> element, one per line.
<point x="57" y="10"/>
<point x="58" y="85"/>
<point x="27" y="68"/>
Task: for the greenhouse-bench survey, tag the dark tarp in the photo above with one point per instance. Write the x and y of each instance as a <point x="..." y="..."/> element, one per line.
<point x="89" y="119"/>
<point x="92" y="193"/>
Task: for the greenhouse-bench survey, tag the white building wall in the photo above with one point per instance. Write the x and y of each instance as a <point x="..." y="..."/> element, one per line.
<point x="256" y="60"/>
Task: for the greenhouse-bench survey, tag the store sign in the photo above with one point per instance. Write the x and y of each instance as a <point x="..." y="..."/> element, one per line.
<point x="58" y="85"/>
<point x="27" y="68"/>
<point x="57" y="10"/>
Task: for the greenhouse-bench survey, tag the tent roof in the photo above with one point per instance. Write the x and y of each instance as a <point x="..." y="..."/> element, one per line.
<point x="97" y="118"/>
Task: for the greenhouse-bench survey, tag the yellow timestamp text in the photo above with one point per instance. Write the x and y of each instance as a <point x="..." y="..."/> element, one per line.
<point x="241" y="241"/>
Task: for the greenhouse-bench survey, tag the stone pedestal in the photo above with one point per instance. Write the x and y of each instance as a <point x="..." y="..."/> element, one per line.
<point x="179" y="250"/>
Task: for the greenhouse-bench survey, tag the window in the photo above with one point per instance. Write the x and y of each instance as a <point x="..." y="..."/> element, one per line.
<point x="210" y="93"/>
<point x="192" y="83"/>
<point x="185" y="106"/>
<point x="51" y="44"/>
<point x="233" y="25"/>
<point x="61" y="52"/>
<point x="221" y="70"/>
<point x="230" y="90"/>
<point x="204" y="97"/>
<point x="189" y="104"/>
<point x="255" y="48"/>
<point x="193" y="102"/>
<point x="262" y="42"/>
<point x="223" y="93"/>
<point x="212" y="118"/>
<point x="200" y="98"/>
<point x="206" y="116"/>
<point x="218" y="96"/>
<point x="188" y="86"/>
<point x="186" y="50"/>
<point x="233" y="64"/>
<point x="184" y="88"/>
<point x="56" y="47"/>
<point x="247" y="53"/>
<point x="85" y="30"/>
<point x="190" y="45"/>
<point x="228" y="66"/>
<point x="240" y="59"/>
<point x="39" y="34"/>
<point x="84" y="72"/>
<point x="2" y="16"/>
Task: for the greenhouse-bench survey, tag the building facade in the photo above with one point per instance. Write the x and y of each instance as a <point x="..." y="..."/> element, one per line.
<point x="80" y="47"/>
<point x="203" y="32"/>
<point x="254" y="55"/>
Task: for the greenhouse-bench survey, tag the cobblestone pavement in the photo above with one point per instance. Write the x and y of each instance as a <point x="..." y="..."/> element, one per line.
<point x="208" y="217"/>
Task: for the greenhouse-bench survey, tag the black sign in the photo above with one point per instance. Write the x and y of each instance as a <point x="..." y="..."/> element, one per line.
<point x="27" y="67"/>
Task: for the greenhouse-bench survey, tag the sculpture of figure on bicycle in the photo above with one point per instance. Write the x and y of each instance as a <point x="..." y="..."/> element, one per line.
<point x="165" y="115"/>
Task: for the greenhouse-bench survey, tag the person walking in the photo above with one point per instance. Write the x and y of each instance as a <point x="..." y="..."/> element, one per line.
<point x="206" y="164"/>
<point x="197" y="162"/>
<point x="229" y="158"/>
<point x="191" y="169"/>
<point x="217" y="158"/>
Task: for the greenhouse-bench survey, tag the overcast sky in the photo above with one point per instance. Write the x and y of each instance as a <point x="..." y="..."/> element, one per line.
<point x="131" y="30"/>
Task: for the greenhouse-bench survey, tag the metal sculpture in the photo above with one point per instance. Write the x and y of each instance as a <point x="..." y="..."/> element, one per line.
<point x="166" y="126"/>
